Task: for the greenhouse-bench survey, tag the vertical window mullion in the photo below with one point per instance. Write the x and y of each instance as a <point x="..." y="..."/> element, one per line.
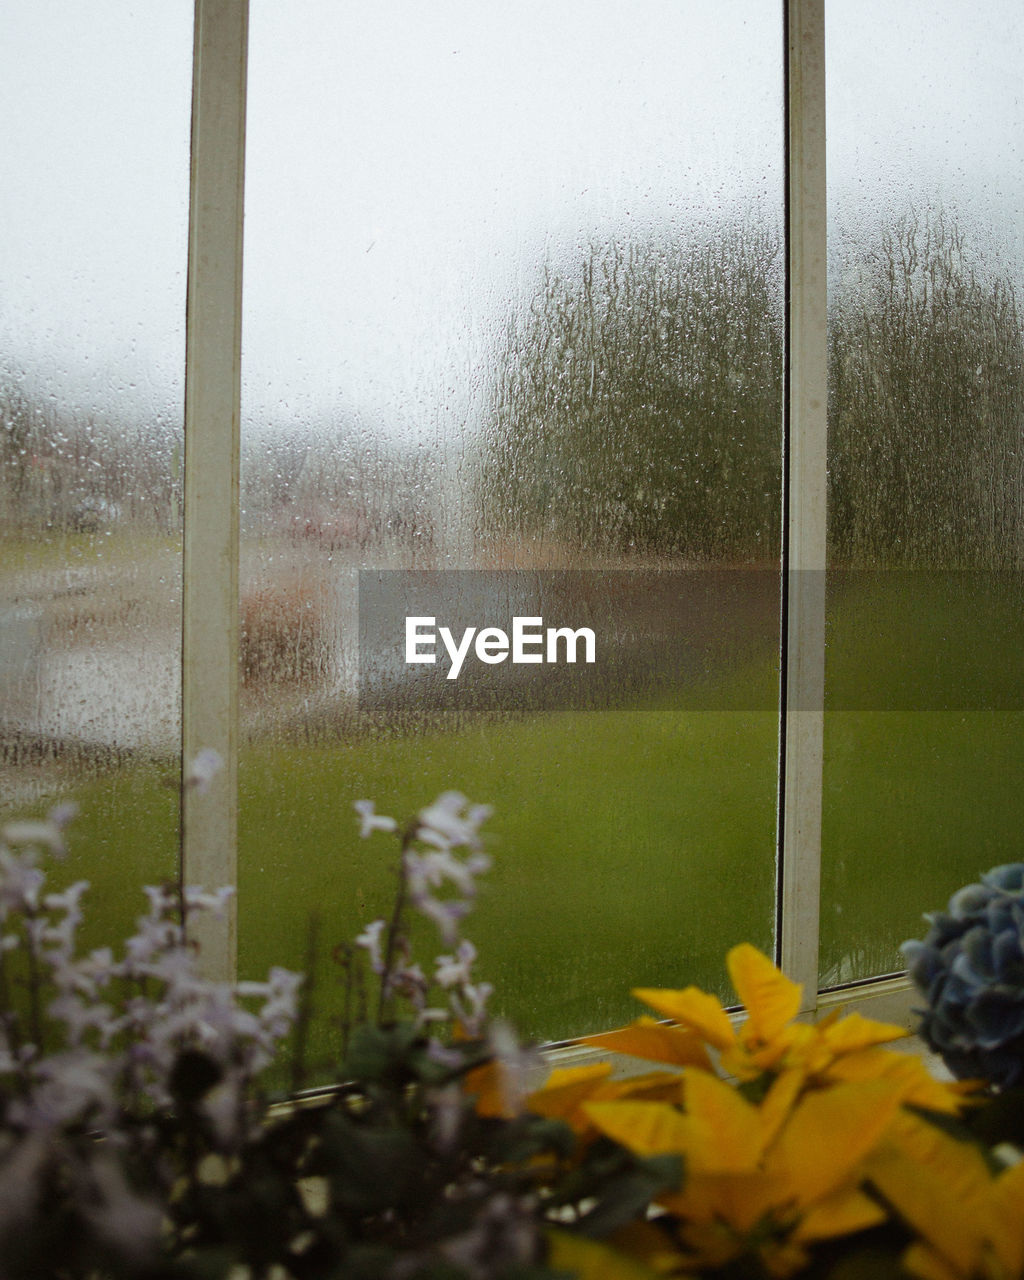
<point x="805" y="530"/>
<point x="212" y="412"/>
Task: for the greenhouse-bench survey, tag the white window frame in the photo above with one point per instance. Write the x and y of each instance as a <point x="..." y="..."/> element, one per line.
<point x="212" y="416"/>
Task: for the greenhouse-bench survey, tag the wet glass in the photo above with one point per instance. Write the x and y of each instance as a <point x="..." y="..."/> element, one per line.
<point x="513" y="348"/>
<point x="96" y="104"/>
<point x="926" y="506"/>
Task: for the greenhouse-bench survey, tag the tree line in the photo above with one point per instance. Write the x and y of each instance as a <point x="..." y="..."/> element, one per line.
<point x="637" y="404"/>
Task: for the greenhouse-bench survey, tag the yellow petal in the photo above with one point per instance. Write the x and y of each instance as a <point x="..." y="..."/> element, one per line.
<point x="644" y="1242"/>
<point x="647" y="1038"/>
<point x="925" y="1263"/>
<point x="590" y="1260"/>
<point x="566" y="1089"/>
<point x="488" y="1085"/>
<point x="794" y="1043"/>
<point x="779" y="1102"/>
<point x="728" y="1132"/>
<point x="693" y="1008"/>
<point x="645" y="1128"/>
<point x="857" y="1032"/>
<point x="738" y="1201"/>
<point x="771" y="999"/>
<point x="783" y="1258"/>
<point x="904" y="1069"/>
<point x="720" y="1132"/>
<point x="839" y="1215"/>
<point x="572" y="1086"/>
<point x="655" y="1086"/>
<point x="828" y="1134"/>
<point x="1007" y="1219"/>
<point x="919" y="1196"/>
<point x="938" y="1185"/>
<point x="736" y="1061"/>
<point x="711" y="1244"/>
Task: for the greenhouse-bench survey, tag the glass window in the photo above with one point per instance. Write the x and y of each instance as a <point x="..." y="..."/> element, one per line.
<point x="94" y="202"/>
<point x="926" y="518"/>
<point x="513" y="347"/>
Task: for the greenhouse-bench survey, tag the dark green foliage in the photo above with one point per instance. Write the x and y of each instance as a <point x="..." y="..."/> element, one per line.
<point x="1000" y="1120"/>
<point x="638" y="403"/>
<point x="926" y="405"/>
<point x="348" y="1185"/>
<point x="387" y="1172"/>
<point x="393" y="1188"/>
<point x="639" y="399"/>
<point x="617" y="1187"/>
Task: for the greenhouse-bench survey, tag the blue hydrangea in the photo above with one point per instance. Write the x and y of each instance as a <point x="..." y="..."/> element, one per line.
<point x="970" y="967"/>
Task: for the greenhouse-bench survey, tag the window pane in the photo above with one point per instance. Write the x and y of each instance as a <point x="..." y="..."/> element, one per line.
<point x="92" y="261"/>
<point x="514" y="330"/>
<point x="924" y="733"/>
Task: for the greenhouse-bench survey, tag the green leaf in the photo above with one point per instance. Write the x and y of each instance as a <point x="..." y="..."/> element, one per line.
<point x="626" y="1195"/>
<point x="377" y="1053"/>
<point x="1001" y="1119"/>
<point x="369" y="1169"/>
<point x="366" y="1262"/>
<point x="519" y="1140"/>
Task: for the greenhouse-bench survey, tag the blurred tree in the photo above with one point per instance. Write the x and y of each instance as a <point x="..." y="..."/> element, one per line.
<point x="926" y="406"/>
<point x="639" y="402"/>
<point x="18" y="430"/>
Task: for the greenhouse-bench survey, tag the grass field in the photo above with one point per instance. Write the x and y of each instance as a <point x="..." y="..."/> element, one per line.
<point x="632" y="847"/>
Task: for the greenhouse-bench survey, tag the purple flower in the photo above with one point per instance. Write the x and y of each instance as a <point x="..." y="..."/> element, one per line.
<point x="970" y="968"/>
<point x="371" y="821"/>
<point x="444" y="825"/>
<point x="446" y="915"/>
<point x="204" y="768"/>
<point x="369" y="940"/>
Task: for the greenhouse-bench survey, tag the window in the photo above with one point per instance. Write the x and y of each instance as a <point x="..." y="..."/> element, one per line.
<point x="926" y="413"/>
<point x="473" y="324"/>
<point x="513" y="346"/>
<point x="92" y="345"/>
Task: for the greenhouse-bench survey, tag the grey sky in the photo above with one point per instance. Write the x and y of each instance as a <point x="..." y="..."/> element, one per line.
<point x="411" y="164"/>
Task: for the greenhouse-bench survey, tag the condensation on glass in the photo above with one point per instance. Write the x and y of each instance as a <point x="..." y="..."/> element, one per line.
<point x="96" y="103"/>
<point x="513" y="306"/>
<point x="926" y="495"/>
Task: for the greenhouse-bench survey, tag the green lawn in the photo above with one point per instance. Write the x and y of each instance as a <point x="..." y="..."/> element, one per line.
<point x="924" y="754"/>
<point x="630" y="847"/>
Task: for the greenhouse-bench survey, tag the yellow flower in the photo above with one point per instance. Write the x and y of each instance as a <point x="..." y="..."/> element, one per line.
<point x="591" y="1260"/>
<point x="837" y="1049"/>
<point x="765" y="1179"/>
<point x="968" y="1220"/>
<point x="770" y="1039"/>
<point x="568" y="1089"/>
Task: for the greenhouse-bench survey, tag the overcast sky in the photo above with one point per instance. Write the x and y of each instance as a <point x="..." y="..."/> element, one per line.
<point x="411" y="165"/>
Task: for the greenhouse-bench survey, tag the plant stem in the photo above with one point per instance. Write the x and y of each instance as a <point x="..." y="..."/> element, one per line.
<point x="8" y="1018"/>
<point x="304" y="1016"/>
<point x="34" y="982"/>
<point x="395" y="923"/>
